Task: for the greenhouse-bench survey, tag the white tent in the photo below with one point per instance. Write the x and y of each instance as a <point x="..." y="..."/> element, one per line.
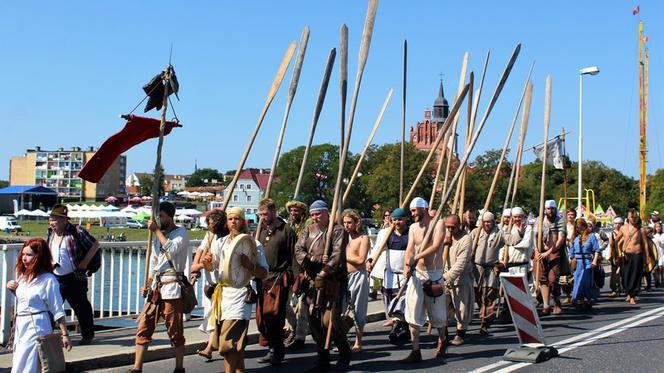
<point x="207" y="194"/>
<point x="23" y="212"/>
<point x="188" y="212"/>
<point x="183" y="218"/>
<point x="40" y="213"/>
<point x="183" y="193"/>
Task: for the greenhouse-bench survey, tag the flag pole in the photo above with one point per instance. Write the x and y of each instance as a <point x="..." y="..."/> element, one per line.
<point x="157" y="173"/>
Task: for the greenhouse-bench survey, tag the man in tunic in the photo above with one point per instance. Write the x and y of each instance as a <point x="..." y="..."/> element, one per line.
<point x="329" y="276"/>
<point x="505" y="220"/>
<point x="459" y="277"/>
<point x="519" y="245"/>
<point x="469" y="222"/>
<point x="297" y="312"/>
<point x="490" y="241"/>
<point x="72" y="249"/>
<point x="565" y="268"/>
<point x="358" y="277"/>
<point x="634" y="242"/>
<point x="426" y="264"/>
<point x="167" y="263"/>
<point x="278" y="240"/>
<point x="547" y="261"/>
<point x="393" y="278"/>
<point x="615" y="257"/>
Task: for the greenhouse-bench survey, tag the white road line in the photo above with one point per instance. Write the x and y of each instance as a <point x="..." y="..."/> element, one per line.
<point x="585" y="337"/>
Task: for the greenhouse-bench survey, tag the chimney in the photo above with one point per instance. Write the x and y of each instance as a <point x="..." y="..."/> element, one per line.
<point x="37" y="148"/>
<point x="91" y="148"/>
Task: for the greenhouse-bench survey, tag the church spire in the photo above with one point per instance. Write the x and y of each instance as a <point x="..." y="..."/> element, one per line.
<point x="441" y="108"/>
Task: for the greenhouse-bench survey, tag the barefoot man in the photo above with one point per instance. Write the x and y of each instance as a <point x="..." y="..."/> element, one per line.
<point x="358" y="277"/>
<point x="634" y="239"/>
<point x="427" y="264"/>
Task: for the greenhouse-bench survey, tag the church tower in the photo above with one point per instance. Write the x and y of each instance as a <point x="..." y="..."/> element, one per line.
<point x="425" y="132"/>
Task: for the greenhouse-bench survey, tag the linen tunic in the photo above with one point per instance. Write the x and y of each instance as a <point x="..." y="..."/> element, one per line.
<point x="41" y="298"/>
<point x="177" y="246"/>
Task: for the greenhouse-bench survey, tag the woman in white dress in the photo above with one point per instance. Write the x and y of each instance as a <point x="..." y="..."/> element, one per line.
<point x="38" y="303"/>
<point x="210" y="245"/>
<point x="658" y="239"/>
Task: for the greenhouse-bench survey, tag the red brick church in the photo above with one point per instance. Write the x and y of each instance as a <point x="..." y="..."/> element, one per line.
<point x="424" y="134"/>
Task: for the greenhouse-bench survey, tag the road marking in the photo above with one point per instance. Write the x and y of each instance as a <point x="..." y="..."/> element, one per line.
<point x="582" y="339"/>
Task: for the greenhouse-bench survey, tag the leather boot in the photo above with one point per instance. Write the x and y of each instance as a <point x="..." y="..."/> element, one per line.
<point x="415" y="356"/>
<point x="323" y="361"/>
<point x="458" y="338"/>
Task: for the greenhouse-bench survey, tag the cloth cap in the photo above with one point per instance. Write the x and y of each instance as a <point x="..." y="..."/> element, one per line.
<point x="318" y="205"/>
<point x="399" y="213"/>
<point x="550" y="204"/>
<point x="488" y="216"/>
<point x="419" y="202"/>
<point x="60" y="211"/>
<point x="239" y="211"/>
<point x="618" y="220"/>
<point x="507" y="212"/>
<point x="654" y="213"/>
<point x="296" y="202"/>
<point x="518" y="211"/>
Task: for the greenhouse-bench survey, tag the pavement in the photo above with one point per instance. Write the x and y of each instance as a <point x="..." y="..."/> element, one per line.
<point x="115" y="347"/>
<point x="615" y="337"/>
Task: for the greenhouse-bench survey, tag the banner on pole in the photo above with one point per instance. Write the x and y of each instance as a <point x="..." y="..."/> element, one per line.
<point x="554" y="153"/>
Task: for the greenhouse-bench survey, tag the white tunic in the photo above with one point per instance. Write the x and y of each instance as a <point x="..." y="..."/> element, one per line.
<point x="211" y="277"/>
<point x="378" y="269"/>
<point x="39" y="298"/>
<point x="520" y="249"/>
<point x="177" y="246"/>
<point x="233" y="306"/>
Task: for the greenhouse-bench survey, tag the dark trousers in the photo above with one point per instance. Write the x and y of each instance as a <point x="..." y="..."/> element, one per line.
<point x="74" y="289"/>
<point x="318" y="327"/>
<point x="488" y="300"/>
<point x="614" y="282"/>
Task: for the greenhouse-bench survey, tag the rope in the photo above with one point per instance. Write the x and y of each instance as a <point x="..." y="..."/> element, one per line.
<point x="177" y="120"/>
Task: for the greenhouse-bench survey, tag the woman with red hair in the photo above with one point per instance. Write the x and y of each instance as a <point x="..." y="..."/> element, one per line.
<point x="38" y="299"/>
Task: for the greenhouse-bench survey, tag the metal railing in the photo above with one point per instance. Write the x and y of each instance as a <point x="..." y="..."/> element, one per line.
<point x="114" y="291"/>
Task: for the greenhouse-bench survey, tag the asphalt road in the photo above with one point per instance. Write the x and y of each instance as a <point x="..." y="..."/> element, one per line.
<point x="616" y="337"/>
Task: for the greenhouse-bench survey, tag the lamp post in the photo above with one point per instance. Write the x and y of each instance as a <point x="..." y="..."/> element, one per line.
<point x="593" y="70"/>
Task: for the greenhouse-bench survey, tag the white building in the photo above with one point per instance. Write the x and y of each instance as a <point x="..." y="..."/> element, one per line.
<point x="249" y="190"/>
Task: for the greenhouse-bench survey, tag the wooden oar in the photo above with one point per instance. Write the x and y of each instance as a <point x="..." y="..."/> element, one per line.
<point x="366" y="146"/>
<point x="403" y="120"/>
<point x="314" y="122"/>
<point x="540" y="219"/>
<point x="273" y="91"/>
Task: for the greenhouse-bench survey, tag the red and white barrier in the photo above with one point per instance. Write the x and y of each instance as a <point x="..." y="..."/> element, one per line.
<point x="522" y="309"/>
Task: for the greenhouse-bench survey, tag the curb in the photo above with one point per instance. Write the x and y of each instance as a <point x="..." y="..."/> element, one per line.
<point x="163" y="352"/>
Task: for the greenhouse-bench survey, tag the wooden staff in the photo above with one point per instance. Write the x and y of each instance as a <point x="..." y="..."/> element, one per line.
<point x="462" y="165"/>
<point x="471" y="83"/>
<point x="516" y="114"/>
<point x="403" y="120"/>
<point x="337" y="204"/>
<point x="314" y="122"/>
<point x="273" y="91"/>
<point x="343" y="83"/>
<point x="540" y="219"/>
<point x="439" y="138"/>
<point x="524" y="125"/>
<point x="462" y="81"/>
<point x="366" y="147"/>
<point x="157" y="173"/>
<point x="492" y="188"/>
<point x="295" y="78"/>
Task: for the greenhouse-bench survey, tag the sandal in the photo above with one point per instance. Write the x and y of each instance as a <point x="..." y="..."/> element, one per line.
<point x="202" y="353"/>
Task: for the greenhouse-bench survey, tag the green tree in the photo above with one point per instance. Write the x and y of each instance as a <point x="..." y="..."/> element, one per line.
<point x="199" y="176"/>
<point x="655" y="192"/>
<point x="4" y="183"/>
<point x="145" y="182"/>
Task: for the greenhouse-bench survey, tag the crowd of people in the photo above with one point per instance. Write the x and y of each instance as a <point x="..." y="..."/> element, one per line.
<point x="433" y="272"/>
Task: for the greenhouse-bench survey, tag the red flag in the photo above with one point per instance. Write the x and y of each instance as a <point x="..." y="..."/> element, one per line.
<point x="636" y="10"/>
<point x="645" y="39"/>
<point x="137" y="130"/>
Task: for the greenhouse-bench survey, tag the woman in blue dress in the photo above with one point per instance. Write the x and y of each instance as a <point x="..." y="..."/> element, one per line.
<point x="585" y="255"/>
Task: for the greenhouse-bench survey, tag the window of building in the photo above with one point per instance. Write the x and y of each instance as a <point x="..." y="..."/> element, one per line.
<point x="248" y="186"/>
<point x="248" y="198"/>
<point x="255" y="211"/>
<point x="248" y="211"/>
<point x="235" y="198"/>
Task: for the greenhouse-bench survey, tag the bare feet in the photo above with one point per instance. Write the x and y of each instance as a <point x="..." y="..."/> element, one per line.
<point x="632" y="300"/>
<point x="388" y="323"/>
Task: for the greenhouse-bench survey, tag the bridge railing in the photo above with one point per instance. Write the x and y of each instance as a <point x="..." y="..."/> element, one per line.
<point x="114" y="291"/>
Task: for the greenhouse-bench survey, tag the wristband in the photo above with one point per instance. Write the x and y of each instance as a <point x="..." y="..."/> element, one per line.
<point x="370" y="260"/>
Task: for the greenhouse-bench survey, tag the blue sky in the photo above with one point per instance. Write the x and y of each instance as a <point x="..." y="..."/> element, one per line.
<point x="70" y="68"/>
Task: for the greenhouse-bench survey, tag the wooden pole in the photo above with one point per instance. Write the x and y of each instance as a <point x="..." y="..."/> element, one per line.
<point x="343" y="83"/>
<point x="462" y="81"/>
<point x="295" y="78"/>
<point x="314" y="122"/>
<point x="403" y="120"/>
<point x="366" y="146"/>
<point x="540" y="219"/>
<point x="337" y="203"/>
<point x="516" y="114"/>
<point x="471" y="82"/>
<point x="527" y="92"/>
<point x="273" y="91"/>
<point x="157" y="173"/>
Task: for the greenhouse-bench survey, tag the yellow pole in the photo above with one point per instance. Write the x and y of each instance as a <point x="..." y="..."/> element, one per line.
<point x="642" y="128"/>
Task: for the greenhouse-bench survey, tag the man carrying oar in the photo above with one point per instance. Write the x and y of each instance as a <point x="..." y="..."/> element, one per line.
<point x="424" y="293"/>
<point x="486" y="258"/>
<point x="329" y="275"/>
<point x="298" y="315"/>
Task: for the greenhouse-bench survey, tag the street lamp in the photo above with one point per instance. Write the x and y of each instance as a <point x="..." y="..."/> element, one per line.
<point x="592" y="70"/>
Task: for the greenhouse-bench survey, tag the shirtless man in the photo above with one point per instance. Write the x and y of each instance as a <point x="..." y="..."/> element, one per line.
<point x="358" y="277"/>
<point x="634" y="241"/>
<point x="426" y="264"/>
<point x="615" y="257"/>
